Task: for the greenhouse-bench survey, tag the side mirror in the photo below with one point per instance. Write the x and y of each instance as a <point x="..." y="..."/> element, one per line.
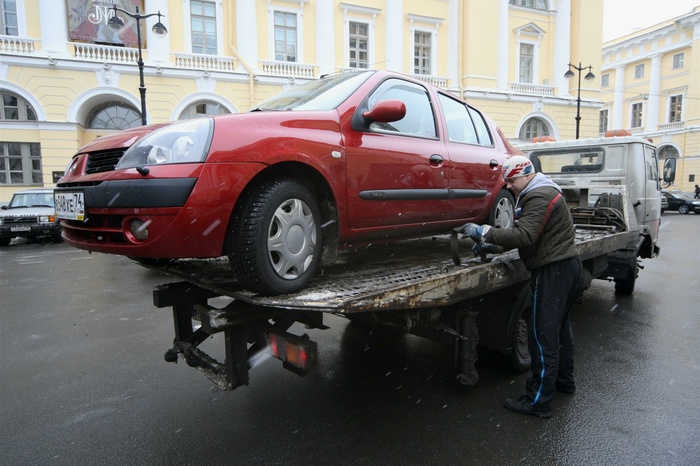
<point x="386" y="111"/>
<point x="669" y="170"/>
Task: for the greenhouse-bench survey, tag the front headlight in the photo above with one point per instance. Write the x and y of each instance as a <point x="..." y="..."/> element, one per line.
<point x="44" y="219"/>
<point x="184" y="142"/>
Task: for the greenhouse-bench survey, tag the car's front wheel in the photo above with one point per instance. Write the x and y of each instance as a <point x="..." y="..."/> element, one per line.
<point x="683" y="209"/>
<point x="5" y="241"/>
<point x="276" y="240"/>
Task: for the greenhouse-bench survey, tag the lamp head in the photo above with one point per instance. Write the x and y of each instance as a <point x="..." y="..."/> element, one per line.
<point x="590" y="76"/>
<point x="115" y="22"/>
<point x="569" y="74"/>
<point x="159" y="29"/>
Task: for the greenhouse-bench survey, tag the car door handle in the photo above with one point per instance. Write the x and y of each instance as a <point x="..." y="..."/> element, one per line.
<point x="493" y="163"/>
<point x="436" y="160"/>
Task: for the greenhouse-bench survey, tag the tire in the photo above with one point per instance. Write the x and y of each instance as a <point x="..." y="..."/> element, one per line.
<point x="518" y="359"/>
<point x="503" y="210"/>
<point x="683" y="209"/>
<point x="626" y="285"/>
<point x="276" y="241"/>
<point x="4" y="241"/>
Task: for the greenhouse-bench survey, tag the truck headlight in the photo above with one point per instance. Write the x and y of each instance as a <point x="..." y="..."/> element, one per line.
<point x="184" y="142"/>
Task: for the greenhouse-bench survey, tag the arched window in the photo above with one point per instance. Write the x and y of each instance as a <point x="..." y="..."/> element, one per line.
<point x="114" y="116"/>
<point x="16" y="108"/>
<point x="534" y="4"/>
<point x="203" y="108"/>
<point x="668" y="152"/>
<point x="534" y="127"/>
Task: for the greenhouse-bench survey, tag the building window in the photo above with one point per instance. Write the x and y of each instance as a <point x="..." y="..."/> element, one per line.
<point x="639" y="71"/>
<point x="603" y="121"/>
<point x="359" y="45"/>
<point x="527" y="56"/>
<point x="8" y="18"/>
<point x="203" y="108"/>
<point x="114" y="116"/>
<point x="422" y="51"/>
<point x="637" y="113"/>
<point x="534" y="127"/>
<point x="285" y="36"/>
<point x="20" y="163"/>
<point x="536" y="4"/>
<point x="675" y="109"/>
<point x="605" y="80"/>
<point x="16" y="108"/>
<point x="203" y="20"/>
<point x="678" y="60"/>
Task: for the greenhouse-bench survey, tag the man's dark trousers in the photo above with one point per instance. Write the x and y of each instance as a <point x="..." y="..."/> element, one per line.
<point x="551" y="341"/>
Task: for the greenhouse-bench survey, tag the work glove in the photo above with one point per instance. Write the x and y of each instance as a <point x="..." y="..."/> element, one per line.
<point x="485" y="248"/>
<point x="475" y="232"/>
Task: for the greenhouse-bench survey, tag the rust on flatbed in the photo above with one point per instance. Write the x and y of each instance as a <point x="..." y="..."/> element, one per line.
<point x="401" y="275"/>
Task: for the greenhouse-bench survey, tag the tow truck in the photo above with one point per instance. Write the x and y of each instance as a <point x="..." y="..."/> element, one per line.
<point x="429" y="287"/>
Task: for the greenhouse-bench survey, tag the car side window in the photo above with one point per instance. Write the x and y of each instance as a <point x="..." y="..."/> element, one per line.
<point x="460" y="127"/>
<point x="419" y="120"/>
<point x="481" y="128"/>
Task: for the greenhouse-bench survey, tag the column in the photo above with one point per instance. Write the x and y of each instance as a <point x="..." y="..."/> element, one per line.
<point x="562" y="47"/>
<point x="503" y="35"/>
<point x="53" y="17"/>
<point x="247" y="32"/>
<point x="618" y="116"/>
<point x="654" y="94"/>
<point x="395" y="36"/>
<point x="325" y="37"/>
<point x="158" y="47"/>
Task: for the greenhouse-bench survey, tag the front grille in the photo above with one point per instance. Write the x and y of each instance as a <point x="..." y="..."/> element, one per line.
<point x="97" y="229"/>
<point x="103" y="161"/>
<point x="20" y="220"/>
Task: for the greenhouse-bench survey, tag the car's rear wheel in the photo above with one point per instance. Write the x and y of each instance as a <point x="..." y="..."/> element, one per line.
<point x="502" y="212"/>
<point x="276" y="241"/>
<point x="683" y="209"/>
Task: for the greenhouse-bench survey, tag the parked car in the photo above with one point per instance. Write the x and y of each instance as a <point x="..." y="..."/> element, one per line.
<point x="680" y="202"/>
<point x="346" y="160"/>
<point x="30" y="214"/>
<point x="664" y="204"/>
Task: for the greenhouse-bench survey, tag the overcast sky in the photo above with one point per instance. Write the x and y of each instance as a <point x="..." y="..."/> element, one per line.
<point x="621" y="17"/>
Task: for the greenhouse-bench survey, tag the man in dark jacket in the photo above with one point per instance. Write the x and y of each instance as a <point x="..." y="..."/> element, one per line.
<point x="545" y="237"/>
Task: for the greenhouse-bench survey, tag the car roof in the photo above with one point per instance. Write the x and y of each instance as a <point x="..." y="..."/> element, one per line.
<point x="35" y="191"/>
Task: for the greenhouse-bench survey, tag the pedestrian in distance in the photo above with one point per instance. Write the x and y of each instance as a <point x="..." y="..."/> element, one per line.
<point x="697" y="192"/>
<point x="545" y="237"/>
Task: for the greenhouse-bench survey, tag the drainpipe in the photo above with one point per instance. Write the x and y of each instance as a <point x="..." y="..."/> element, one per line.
<point x="251" y="75"/>
<point x="460" y="57"/>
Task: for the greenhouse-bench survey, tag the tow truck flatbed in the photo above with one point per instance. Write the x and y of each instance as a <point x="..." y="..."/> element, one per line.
<point x="396" y="276"/>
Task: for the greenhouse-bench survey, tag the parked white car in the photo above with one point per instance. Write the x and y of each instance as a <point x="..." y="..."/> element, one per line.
<point x="30" y="214"/>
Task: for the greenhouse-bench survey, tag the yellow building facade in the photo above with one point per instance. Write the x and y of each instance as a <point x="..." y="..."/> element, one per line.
<point x="67" y="76"/>
<point x="650" y="84"/>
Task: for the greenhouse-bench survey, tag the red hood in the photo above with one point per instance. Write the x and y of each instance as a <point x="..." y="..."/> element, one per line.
<point x="120" y="139"/>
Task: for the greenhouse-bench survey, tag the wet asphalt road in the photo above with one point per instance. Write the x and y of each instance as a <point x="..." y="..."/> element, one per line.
<point x="83" y="380"/>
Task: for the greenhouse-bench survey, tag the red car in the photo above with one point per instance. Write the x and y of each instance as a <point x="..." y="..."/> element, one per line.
<point x="348" y="159"/>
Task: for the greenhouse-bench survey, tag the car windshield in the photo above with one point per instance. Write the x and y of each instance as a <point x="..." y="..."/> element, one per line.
<point x="322" y="94"/>
<point x="31" y="200"/>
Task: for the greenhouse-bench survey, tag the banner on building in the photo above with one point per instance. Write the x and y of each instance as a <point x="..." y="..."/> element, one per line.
<point x="87" y="22"/>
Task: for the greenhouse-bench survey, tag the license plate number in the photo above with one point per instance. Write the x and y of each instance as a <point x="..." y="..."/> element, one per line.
<point x="70" y="205"/>
<point x="21" y="229"/>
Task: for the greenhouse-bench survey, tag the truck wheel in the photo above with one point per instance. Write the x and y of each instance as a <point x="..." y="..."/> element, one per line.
<point x="519" y="358"/>
<point x="626" y="285"/>
<point x="502" y="211"/>
<point x="276" y="239"/>
<point x="683" y="209"/>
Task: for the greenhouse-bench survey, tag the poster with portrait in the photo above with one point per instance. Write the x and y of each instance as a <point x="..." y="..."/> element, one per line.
<point x="87" y="22"/>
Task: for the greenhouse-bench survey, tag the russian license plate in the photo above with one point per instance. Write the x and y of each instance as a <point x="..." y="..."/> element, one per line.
<point x="70" y="205"/>
<point x="21" y="229"/>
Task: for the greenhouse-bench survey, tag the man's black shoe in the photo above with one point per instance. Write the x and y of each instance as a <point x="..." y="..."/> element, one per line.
<point x="522" y="406"/>
<point x="569" y="389"/>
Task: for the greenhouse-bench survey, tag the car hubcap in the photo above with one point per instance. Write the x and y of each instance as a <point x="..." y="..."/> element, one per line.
<point x="504" y="214"/>
<point x="292" y="239"/>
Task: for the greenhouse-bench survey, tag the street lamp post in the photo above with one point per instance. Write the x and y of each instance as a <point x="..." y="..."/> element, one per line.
<point x="159" y="29"/>
<point x="589" y="77"/>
